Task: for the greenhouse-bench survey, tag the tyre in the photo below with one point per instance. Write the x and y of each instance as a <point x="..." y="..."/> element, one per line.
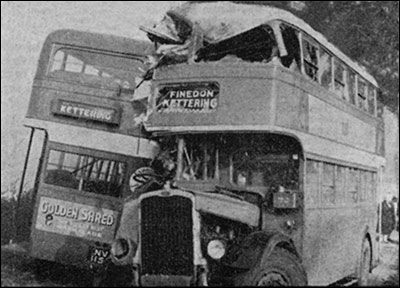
<point x="365" y="263"/>
<point x="281" y="268"/>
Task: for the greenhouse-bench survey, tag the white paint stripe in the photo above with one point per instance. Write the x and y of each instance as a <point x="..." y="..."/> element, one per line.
<point x="311" y="143"/>
<point x="97" y="139"/>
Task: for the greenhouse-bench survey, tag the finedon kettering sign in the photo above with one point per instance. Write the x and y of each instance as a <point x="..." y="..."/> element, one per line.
<point x="86" y="111"/>
<point x="188" y="97"/>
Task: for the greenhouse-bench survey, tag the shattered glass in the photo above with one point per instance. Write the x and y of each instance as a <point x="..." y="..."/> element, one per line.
<point x="218" y="31"/>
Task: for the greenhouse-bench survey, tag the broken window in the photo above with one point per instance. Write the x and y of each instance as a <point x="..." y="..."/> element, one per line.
<point x="255" y="45"/>
<point x="292" y="46"/>
<point x="310" y="56"/>
<point x="199" y="159"/>
<point x="325" y="69"/>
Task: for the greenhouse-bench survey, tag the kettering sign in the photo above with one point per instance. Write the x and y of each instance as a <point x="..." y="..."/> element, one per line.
<point x="188" y="97"/>
<point x="86" y="112"/>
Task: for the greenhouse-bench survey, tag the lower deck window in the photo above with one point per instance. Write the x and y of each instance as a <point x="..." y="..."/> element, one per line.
<point x="251" y="160"/>
<point x="85" y="173"/>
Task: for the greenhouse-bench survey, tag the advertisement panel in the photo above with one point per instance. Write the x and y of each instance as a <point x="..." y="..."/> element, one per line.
<point x="76" y="219"/>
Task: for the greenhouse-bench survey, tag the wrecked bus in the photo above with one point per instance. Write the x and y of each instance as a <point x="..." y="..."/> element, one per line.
<point x="274" y="143"/>
<point x="84" y="111"/>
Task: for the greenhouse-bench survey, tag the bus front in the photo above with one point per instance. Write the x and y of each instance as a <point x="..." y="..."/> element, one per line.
<point x="235" y="194"/>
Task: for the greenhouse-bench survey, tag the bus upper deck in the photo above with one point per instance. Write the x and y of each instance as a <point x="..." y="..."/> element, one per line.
<point x="270" y="72"/>
<point x="88" y="80"/>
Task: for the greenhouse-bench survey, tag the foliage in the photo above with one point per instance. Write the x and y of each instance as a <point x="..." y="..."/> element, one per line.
<point x="11" y="220"/>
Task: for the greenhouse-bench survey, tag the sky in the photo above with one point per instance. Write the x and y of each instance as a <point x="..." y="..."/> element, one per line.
<point x="24" y="27"/>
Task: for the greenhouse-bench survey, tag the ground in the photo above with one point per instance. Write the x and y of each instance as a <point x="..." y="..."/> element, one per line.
<point x="387" y="273"/>
<point x="23" y="271"/>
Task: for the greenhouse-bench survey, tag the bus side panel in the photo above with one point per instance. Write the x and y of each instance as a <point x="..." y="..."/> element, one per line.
<point x="326" y="232"/>
<point x="291" y="103"/>
<point x="69" y="225"/>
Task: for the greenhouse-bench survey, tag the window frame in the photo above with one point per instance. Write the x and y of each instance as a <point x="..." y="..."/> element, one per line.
<point x="124" y="159"/>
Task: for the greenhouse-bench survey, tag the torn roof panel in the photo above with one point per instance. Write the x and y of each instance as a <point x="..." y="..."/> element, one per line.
<point x="219" y="21"/>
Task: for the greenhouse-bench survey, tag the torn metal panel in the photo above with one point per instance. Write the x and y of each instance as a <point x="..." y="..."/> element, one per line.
<point x="218" y="22"/>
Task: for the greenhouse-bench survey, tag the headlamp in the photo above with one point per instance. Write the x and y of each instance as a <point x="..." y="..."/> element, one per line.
<point x="216" y="249"/>
<point x="122" y="247"/>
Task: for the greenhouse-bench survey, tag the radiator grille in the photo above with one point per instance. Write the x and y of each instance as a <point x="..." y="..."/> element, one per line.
<point x="167" y="236"/>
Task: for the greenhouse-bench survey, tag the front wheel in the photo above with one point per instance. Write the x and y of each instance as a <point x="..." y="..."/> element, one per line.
<point x="365" y="262"/>
<point x="281" y="268"/>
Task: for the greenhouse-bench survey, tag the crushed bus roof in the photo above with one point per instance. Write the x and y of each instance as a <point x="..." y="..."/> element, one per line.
<point x="220" y="21"/>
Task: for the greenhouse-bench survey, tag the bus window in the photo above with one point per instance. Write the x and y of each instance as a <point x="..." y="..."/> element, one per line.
<point x="372" y="186"/>
<point x="85" y="173"/>
<point x="325" y="69"/>
<point x="292" y="46"/>
<point x="310" y="56"/>
<point x="254" y="167"/>
<point x="371" y="99"/>
<point x="340" y="184"/>
<point x="312" y="182"/>
<point x="351" y="80"/>
<point x="353" y="185"/>
<point x="73" y="64"/>
<point x="328" y="184"/>
<point x="340" y="84"/>
<point x="362" y="93"/>
<point x="117" y="69"/>
<point x="235" y="160"/>
<point x="255" y="45"/>
<point x="363" y="187"/>
<point x="199" y="161"/>
<point x="380" y="106"/>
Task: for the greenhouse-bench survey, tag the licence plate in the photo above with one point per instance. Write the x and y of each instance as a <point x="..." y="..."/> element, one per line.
<point x="98" y="255"/>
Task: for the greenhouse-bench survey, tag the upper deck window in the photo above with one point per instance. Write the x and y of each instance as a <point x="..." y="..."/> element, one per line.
<point x="310" y="56"/>
<point x="340" y="86"/>
<point x="255" y="45"/>
<point x="109" y="68"/>
<point x="292" y="45"/>
<point x="325" y="69"/>
<point x="351" y="80"/>
<point x="362" y="93"/>
<point x="85" y="173"/>
<point x="371" y="99"/>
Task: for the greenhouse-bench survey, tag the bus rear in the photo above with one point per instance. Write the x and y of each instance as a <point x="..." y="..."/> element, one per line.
<point x="85" y="107"/>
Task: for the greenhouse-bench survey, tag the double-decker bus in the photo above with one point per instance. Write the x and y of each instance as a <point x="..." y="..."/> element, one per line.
<point x="277" y="139"/>
<point x="85" y="108"/>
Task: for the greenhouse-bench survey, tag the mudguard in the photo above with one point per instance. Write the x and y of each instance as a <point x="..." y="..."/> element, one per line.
<point x="259" y="245"/>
